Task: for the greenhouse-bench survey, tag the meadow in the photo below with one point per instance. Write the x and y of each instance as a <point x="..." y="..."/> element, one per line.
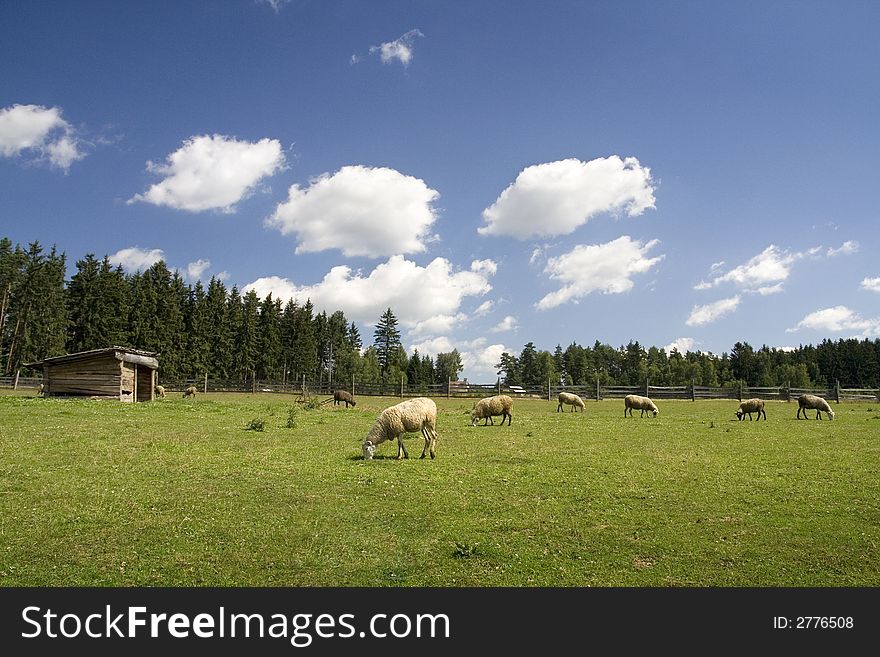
<point x="192" y="493"/>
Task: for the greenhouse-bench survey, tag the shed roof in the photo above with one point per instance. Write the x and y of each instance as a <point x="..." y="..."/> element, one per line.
<point x="125" y="354"/>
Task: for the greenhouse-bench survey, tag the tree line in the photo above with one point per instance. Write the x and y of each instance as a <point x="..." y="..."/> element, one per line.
<point x="240" y="337"/>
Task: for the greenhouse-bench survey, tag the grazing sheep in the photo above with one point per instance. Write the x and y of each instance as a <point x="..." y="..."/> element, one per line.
<point x="418" y="414"/>
<point x="751" y="406"/>
<point x="571" y="400"/>
<point x="640" y="404"/>
<point x="490" y="406"/>
<point x="343" y="396"/>
<point x="813" y="402"/>
<point x="41" y="390"/>
<point x="160" y="392"/>
<point x="190" y="392"/>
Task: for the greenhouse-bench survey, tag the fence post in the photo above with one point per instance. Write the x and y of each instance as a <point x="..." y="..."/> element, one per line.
<point x="693" y="391"/>
<point x="837" y="390"/>
<point x="548" y="389"/>
<point x="646" y="387"/>
<point x="597" y="387"/>
<point x="15" y="385"/>
<point x="401" y="385"/>
<point x="205" y="389"/>
<point x="740" y="390"/>
<point x="787" y="391"/>
<point x="448" y="386"/>
<point x="499" y="385"/>
<point x="352" y="384"/>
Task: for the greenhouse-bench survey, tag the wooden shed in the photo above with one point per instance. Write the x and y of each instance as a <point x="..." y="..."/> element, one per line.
<point x="128" y="375"/>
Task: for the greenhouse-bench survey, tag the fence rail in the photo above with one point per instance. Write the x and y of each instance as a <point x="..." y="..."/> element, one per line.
<point x="593" y="392"/>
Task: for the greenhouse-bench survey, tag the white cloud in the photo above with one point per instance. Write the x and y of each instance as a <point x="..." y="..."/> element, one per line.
<point x="716" y="266"/>
<point x="415" y="294"/>
<point x="509" y="323"/>
<point x="839" y="318"/>
<point x="433" y="346"/>
<point x="212" y="173"/>
<point x="712" y="311"/>
<point x="438" y="324"/>
<point x="605" y="268"/>
<point x="481" y="360"/>
<point x="871" y="284"/>
<point x="40" y="130"/>
<point x="222" y="276"/>
<point x="771" y="266"/>
<point x="486" y="307"/>
<point x="682" y="345"/>
<point x="136" y="259"/>
<point x="360" y="210"/>
<point x="769" y="289"/>
<point x="488" y="267"/>
<point x="401" y="49"/>
<point x="555" y="198"/>
<point x="194" y="270"/>
<point x="275" y="4"/>
<point x="848" y="247"/>
<point x="786" y="348"/>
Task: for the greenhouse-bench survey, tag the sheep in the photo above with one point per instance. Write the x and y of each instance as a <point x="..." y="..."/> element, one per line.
<point x="190" y="392"/>
<point x="570" y="399"/>
<point x="490" y="406"/>
<point x="813" y="402"/>
<point x="751" y="406"/>
<point x="343" y="396"/>
<point x="160" y="392"/>
<point x="41" y="390"/>
<point x="639" y="403"/>
<point x="418" y="414"/>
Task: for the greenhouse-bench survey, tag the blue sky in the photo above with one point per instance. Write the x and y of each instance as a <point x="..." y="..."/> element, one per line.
<point x="669" y="172"/>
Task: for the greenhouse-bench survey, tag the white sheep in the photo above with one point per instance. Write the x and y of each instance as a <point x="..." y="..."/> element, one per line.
<point x="41" y="390"/>
<point x="569" y="399"/>
<point x="813" y="402"/>
<point x="418" y="414"/>
<point x="160" y="392"/>
<point x="491" y="406"/>
<point x="190" y="392"/>
<point x="640" y="404"/>
<point x="751" y="406"/>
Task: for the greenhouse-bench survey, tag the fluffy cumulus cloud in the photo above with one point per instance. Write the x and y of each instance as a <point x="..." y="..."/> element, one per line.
<point x="362" y="211"/>
<point x="136" y="259"/>
<point x="509" y="323"/>
<point x="399" y="50"/>
<point x="607" y="268"/>
<point x="41" y="131"/>
<point x="275" y="4"/>
<point x="438" y="324"/>
<point x="416" y="294"/>
<point x="555" y="198"/>
<point x="711" y="312"/>
<point x="681" y="345"/>
<point x="194" y="270"/>
<point x="871" y="284"/>
<point x="839" y="318"/>
<point x="212" y="172"/>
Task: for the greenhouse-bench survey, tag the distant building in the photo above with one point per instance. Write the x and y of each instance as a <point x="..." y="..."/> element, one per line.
<point x="128" y="375"/>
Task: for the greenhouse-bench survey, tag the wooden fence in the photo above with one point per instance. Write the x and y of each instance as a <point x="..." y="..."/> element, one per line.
<point x="594" y="392"/>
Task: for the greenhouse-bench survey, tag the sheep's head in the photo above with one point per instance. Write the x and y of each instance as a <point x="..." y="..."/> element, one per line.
<point x="369" y="450"/>
<point x="474" y="418"/>
<point x="656" y="412"/>
<point x="739" y="414"/>
<point x="830" y="415"/>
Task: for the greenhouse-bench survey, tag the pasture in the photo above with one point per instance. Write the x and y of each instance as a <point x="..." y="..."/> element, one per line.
<point x="181" y="493"/>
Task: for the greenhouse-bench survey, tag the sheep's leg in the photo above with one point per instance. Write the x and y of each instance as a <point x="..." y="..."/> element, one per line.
<point x="401" y="447"/>
<point x="427" y="438"/>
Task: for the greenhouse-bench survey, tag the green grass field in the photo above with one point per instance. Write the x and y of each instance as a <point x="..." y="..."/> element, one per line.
<point x="181" y="493"/>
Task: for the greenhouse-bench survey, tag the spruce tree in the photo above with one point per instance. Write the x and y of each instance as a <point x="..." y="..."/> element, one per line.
<point x="386" y="339"/>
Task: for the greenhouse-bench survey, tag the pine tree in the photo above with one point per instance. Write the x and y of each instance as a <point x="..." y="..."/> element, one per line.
<point x="386" y="339"/>
<point x="198" y="344"/>
<point x="448" y="366"/>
